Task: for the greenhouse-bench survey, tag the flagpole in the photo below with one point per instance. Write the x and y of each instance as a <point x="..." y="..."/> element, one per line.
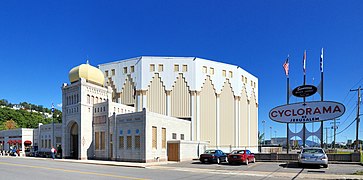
<point x="304" y="125"/>
<point x="322" y="96"/>
<point x="286" y="68"/>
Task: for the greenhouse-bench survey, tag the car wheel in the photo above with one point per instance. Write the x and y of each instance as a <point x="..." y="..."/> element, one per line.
<point x="325" y="166"/>
<point x="246" y="161"/>
<point x="202" y="162"/>
<point x="218" y="161"/>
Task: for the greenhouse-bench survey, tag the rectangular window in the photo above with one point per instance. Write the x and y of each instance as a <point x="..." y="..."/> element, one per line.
<point x="121" y="142"/>
<point x="152" y="67"/>
<point x="129" y="142"/>
<point x="204" y="70"/>
<point x="50" y="143"/>
<point x="230" y="74"/>
<point x="106" y="73"/>
<point x="254" y="84"/>
<point x="125" y="70"/>
<point x="113" y="72"/>
<point x="97" y="140"/>
<point x="46" y="143"/>
<point x="176" y="67"/>
<point x="137" y="142"/>
<point x="161" y="68"/>
<point x="181" y="136"/>
<point x="154" y="137"/>
<point x="132" y="69"/>
<point x="42" y="143"/>
<point x="174" y="136"/>
<point x="243" y="79"/>
<point x="211" y="71"/>
<point x="185" y="68"/>
<point x="103" y="141"/>
<point x="163" y="138"/>
<point x="251" y="83"/>
<point x="224" y="73"/>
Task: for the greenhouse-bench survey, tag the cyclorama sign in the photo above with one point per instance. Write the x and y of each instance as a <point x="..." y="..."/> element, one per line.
<point x="307" y="112"/>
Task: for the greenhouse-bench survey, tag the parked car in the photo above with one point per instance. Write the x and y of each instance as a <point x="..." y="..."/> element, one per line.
<point x="313" y="156"/>
<point x="213" y="156"/>
<point x="241" y="156"/>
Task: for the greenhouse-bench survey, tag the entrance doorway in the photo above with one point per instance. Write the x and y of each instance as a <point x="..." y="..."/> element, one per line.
<point x="74" y="141"/>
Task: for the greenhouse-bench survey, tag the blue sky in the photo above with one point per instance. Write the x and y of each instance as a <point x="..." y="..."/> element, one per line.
<point x="40" y="41"/>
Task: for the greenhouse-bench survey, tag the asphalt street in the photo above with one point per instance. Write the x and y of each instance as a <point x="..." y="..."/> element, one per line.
<point x="45" y="169"/>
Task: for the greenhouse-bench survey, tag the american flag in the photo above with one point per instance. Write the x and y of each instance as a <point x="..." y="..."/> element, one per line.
<point x="304" y="62"/>
<point x="286" y="66"/>
<point x="321" y="60"/>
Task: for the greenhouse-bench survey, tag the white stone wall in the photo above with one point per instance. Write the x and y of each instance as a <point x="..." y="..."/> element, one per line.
<point x="172" y="125"/>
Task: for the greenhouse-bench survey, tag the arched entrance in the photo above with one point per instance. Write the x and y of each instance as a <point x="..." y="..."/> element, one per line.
<point x="74" y="141"/>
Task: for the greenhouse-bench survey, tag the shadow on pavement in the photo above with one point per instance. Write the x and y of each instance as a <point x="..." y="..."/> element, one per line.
<point x="296" y="165"/>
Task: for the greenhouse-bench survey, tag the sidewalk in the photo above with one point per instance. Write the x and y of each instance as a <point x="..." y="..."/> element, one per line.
<point x="109" y="163"/>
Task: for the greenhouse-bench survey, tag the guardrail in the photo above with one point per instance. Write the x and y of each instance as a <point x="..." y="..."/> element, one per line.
<point x="353" y="157"/>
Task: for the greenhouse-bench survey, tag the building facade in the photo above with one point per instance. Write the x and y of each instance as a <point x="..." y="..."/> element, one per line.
<point x="108" y="111"/>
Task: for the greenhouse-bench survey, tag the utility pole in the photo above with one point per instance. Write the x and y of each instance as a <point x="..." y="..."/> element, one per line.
<point x="334" y="127"/>
<point x="358" y="119"/>
<point x="326" y="137"/>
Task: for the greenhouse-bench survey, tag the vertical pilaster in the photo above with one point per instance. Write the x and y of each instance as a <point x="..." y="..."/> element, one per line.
<point x="168" y="103"/>
<point x="144" y="99"/>
<point x="218" y="114"/>
<point x="249" y="123"/>
<point x="138" y="101"/>
<point x="236" y="121"/>
<point x="198" y="115"/>
<point x="192" y="113"/>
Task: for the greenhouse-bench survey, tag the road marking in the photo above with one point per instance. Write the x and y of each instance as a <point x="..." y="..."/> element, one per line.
<point x="74" y="171"/>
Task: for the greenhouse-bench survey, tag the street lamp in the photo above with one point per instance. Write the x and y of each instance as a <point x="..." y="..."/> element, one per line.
<point x="52" y="125"/>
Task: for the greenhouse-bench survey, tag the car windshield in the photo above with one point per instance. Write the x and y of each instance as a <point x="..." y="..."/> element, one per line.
<point x="209" y="152"/>
<point x="238" y="152"/>
<point x="313" y="151"/>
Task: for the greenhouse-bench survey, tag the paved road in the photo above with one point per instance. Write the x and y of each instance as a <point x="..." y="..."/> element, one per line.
<point x="45" y="169"/>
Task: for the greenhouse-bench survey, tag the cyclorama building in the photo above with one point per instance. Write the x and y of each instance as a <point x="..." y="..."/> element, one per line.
<point x="150" y="108"/>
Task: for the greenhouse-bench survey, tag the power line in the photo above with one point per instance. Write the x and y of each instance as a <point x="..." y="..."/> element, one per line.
<point x="349" y="115"/>
<point x="347" y="127"/>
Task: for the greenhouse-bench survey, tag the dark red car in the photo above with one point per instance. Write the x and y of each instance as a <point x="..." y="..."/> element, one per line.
<point x="241" y="156"/>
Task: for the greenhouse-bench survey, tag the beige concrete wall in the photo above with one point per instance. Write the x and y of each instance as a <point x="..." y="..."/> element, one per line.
<point x="254" y="122"/>
<point x="180" y="98"/>
<point x="243" y="119"/>
<point x="127" y="93"/>
<point x="227" y="134"/>
<point x="172" y="125"/>
<point x="156" y="96"/>
<point x="208" y="105"/>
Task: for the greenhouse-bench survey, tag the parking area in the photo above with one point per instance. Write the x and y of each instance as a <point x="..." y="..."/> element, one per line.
<point x="288" y="169"/>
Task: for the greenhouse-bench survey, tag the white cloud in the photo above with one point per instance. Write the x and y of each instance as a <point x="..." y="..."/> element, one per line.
<point x="59" y="105"/>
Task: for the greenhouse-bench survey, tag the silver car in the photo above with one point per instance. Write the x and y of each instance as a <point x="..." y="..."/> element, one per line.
<point x="313" y="156"/>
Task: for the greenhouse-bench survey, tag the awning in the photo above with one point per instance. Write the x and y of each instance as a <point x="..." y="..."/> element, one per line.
<point x="10" y="142"/>
<point x="18" y="141"/>
<point x="27" y="142"/>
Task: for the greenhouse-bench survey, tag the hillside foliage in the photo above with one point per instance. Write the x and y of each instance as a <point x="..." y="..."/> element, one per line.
<point x="27" y="117"/>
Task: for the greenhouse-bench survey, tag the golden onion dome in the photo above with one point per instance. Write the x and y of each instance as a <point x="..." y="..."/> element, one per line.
<point x="88" y="72"/>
